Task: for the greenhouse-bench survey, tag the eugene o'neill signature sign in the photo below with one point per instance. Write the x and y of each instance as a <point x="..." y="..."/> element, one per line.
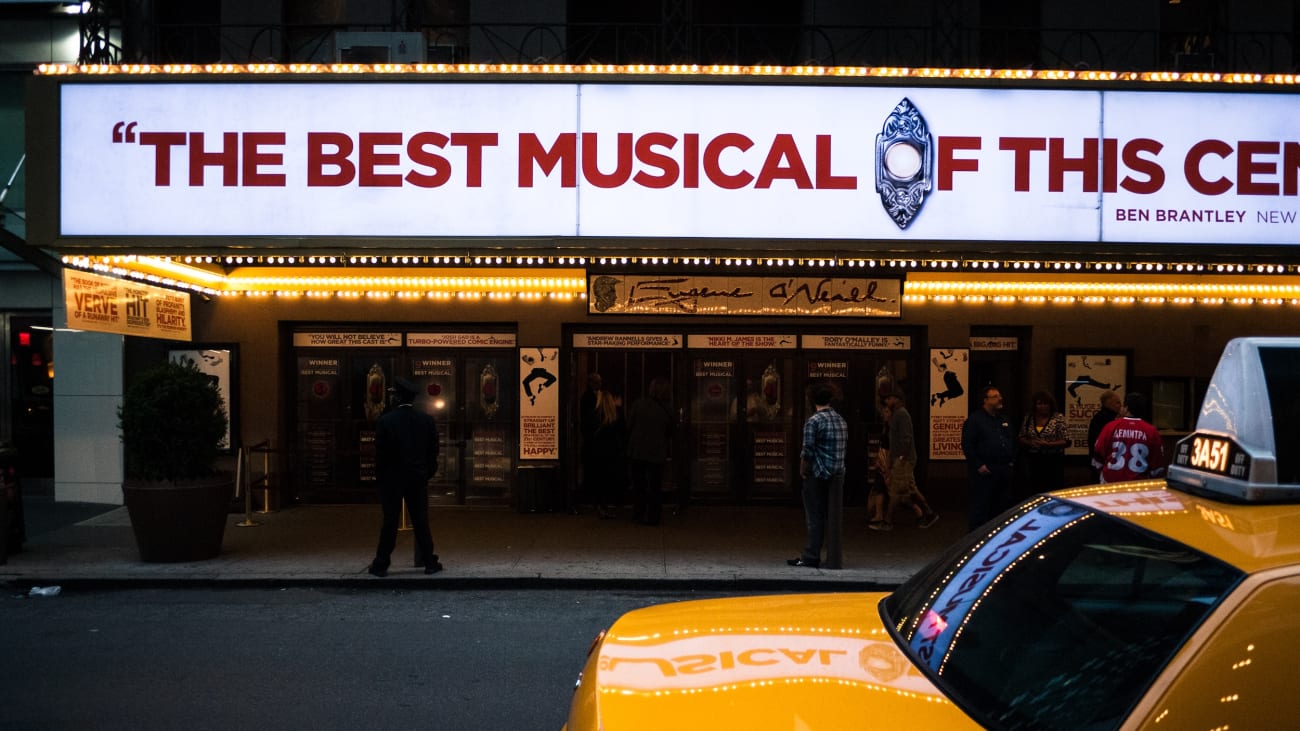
<point x="626" y="294"/>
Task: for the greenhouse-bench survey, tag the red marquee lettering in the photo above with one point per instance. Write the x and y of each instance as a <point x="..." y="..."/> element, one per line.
<point x="1058" y="164"/>
<point x="646" y="153"/>
<point x="713" y="167"/>
<point x="474" y="142"/>
<point x="227" y="159"/>
<point x="1133" y="160"/>
<point x="622" y="167"/>
<point x="254" y="159"/>
<point x="1290" y="168"/>
<point x="691" y="160"/>
<point x="417" y="150"/>
<point x="1022" y="148"/>
<point x="564" y="154"/>
<point x="825" y="180"/>
<point x="1192" y="167"/>
<point x="162" y="143"/>
<point x="318" y="159"/>
<point x="1248" y="167"/>
<point x="368" y="158"/>
<point x="784" y="148"/>
<point x="949" y="163"/>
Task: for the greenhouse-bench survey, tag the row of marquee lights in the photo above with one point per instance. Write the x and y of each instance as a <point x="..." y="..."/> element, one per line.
<point x="725" y="261"/>
<point x="542" y="287"/>
<point x="675" y="70"/>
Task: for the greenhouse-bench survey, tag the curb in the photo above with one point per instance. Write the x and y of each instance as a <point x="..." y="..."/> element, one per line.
<point x="434" y="583"/>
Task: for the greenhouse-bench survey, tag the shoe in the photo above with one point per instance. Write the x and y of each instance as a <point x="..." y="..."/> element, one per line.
<point x="803" y="562"/>
<point x="928" y="520"/>
<point x="880" y="525"/>
<point x="433" y="568"/>
<point x="374" y="570"/>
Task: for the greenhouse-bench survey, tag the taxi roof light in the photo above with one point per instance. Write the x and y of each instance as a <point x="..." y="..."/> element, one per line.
<point x="1246" y="446"/>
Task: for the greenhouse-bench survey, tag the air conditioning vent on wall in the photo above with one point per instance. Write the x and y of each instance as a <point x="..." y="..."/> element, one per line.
<point x="379" y="47"/>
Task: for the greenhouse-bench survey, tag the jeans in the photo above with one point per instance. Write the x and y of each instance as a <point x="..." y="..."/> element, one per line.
<point x="647" y="490"/>
<point x="823" y="507"/>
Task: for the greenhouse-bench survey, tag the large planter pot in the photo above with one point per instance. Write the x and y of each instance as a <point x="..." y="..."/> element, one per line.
<point x="179" y="521"/>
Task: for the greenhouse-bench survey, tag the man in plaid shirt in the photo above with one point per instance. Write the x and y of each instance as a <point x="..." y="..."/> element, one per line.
<point x="821" y="465"/>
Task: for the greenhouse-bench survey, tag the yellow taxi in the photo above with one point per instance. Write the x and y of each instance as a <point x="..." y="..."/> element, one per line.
<point x="1162" y="604"/>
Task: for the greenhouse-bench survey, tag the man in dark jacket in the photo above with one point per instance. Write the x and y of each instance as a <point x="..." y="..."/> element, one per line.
<point x="406" y="457"/>
<point x="989" y="444"/>
<point x="1109" y="411"/>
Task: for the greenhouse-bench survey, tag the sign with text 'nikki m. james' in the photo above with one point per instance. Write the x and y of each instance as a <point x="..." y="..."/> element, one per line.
<point x="109" y="305"/>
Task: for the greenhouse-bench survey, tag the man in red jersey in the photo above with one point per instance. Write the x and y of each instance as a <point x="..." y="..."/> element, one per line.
<point x="1131" y="447"/>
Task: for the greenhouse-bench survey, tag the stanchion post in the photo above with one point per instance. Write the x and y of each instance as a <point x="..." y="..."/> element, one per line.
<point x="266" y="480"/>
<point x="405" y="525"/>
<point x="241" y="483"/>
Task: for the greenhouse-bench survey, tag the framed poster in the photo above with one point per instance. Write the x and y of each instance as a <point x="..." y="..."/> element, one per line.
<point x="1085" y="376"/>
<point x="218" y="363"/>
<point x="949" y="402"/>
<point x="539" y="403"/>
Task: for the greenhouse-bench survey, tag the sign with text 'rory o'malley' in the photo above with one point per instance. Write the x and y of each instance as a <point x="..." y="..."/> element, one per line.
<point x="672" y="294"/>
<point x="104" y="304"/>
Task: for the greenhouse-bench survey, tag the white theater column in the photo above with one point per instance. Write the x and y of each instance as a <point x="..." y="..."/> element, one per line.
<point x="87" y="391"/>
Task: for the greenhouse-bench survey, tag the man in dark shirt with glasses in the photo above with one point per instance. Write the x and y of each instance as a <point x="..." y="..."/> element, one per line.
<point x="989" y="444"/>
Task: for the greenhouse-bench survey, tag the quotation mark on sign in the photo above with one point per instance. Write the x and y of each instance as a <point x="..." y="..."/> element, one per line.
<point x="124" y="132"/>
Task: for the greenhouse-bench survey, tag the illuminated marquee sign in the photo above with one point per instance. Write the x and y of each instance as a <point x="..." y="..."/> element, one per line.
<point x="629" y="294"/>
<point x="684" y="160"/>
<point x="105" y="304"/>
<point x="1213" y="454"/>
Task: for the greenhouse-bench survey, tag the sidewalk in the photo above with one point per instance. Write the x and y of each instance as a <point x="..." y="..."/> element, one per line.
<point x="723" y="547"/>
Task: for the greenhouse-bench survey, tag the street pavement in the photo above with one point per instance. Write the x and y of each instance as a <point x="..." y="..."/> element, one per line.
<point x="71" y="544"/>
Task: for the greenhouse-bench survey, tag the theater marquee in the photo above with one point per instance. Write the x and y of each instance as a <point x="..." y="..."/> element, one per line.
<point x="627" y="294"/>
<point x="798" y="162"/>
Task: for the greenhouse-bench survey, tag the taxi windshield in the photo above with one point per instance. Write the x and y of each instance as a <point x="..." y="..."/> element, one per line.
<point x="1060" y="618"/>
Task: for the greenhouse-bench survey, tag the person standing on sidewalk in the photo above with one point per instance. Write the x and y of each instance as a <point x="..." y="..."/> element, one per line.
<point x="1131" y="447"/>
<point x="878" y="482"/>
<point x="902" y="468"/>
<point x="588" y="420"/>
<point x="989" y="443"/>
<point x="1111" y="405"/>
<point x="1043" y="438"/>
<point x="650" y="427"/>
<point x="821" y="465"/>
<point x="608" y="445"/>
<point x="406" y="457"/>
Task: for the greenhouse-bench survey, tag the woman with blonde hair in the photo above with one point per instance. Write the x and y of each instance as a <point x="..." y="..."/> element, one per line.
<point x="608" y="442"/>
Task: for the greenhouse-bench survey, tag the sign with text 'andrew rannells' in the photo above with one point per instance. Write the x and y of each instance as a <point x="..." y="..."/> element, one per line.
<point x="628" y="341"/>
<point x="108" y="305"/>
<point x="670" y="294"/>
<point x="797" y="162"/>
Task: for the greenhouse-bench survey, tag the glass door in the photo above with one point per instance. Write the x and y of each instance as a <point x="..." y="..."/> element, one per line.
<point x="766" y="438"/>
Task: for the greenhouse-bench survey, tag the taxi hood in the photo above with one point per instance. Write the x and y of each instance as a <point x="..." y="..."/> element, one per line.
<point x="822" y="661"/>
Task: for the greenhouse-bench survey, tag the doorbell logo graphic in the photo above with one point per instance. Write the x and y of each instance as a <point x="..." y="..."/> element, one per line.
<point x="903" y="163"/>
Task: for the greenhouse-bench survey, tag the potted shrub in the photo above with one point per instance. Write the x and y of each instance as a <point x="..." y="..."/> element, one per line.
<point x="172" y="423"/>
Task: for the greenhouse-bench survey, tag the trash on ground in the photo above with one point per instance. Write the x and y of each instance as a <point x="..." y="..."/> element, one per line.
<point x="44" y="591"/>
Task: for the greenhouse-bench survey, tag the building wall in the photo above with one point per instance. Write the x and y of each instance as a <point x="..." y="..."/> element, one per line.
<point x="254" y="325"/>
<point x="1166" y="341"/>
